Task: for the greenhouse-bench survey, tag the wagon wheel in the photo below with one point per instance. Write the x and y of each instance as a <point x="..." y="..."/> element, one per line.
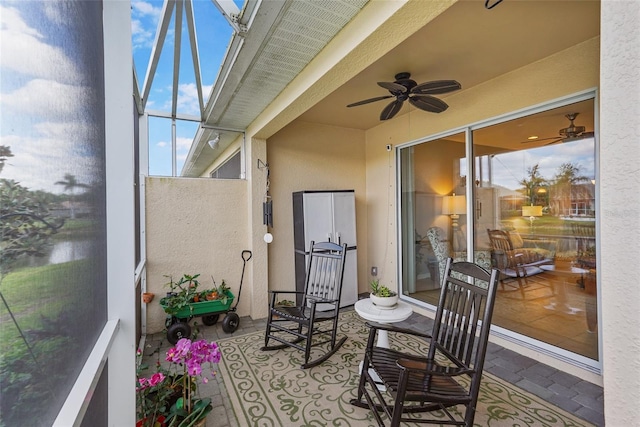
<point x="230" y="323"/>
<point x="210" y="319"/>
<point x="169" y="320"/>
<point x="177" y="331"/>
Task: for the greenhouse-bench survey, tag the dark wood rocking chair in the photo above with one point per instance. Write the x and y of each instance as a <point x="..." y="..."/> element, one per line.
<point x="314" y="322"/>
<point x="514" y="263"/>
<point x="457" y="349"/>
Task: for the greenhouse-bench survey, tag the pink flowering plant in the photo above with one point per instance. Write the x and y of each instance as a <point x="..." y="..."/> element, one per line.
<point x="170" y="397"/>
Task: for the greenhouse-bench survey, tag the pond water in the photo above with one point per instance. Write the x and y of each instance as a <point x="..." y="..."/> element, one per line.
<point x="60" y="252"/>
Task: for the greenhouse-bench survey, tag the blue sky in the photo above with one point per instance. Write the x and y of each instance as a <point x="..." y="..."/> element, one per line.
<point x="43" y="87"/>
<point x="38" y="70"/>
<point x="48" y="102"/>
<point x="213" y="36"/>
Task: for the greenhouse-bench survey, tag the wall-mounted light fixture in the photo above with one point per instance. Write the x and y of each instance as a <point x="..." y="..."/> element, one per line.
<point x="213" y="142"/>
<point x="454" y="206"/>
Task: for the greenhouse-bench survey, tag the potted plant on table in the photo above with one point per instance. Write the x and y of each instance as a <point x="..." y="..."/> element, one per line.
<point x="382" y="296"/>
<point x="169" y="397"/>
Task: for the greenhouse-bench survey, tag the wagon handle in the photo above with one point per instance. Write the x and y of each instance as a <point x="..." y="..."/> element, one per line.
<point x="244" y="264"/>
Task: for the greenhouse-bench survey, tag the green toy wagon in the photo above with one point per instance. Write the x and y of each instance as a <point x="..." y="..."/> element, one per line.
<point x="178" y="318"/>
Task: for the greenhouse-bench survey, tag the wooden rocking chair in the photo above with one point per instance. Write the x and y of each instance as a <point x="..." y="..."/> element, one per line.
<point x="314" y="322"/>
<point x="419" y="383"/>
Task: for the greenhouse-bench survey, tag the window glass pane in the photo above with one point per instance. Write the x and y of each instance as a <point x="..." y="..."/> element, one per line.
<point x="228" y="170"/>
<point x="433" y="213"/>
<point x="185" y="132"/>
<point x="52" y="203"/>
<point x="160" y="144"/>
<point x="160" y="151"/>
<point x="535" y="219"/>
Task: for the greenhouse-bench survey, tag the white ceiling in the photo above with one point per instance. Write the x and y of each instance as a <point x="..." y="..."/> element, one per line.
<point x="467" y="43"/>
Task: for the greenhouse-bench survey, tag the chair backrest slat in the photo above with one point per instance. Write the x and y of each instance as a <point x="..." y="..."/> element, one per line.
<point x="463" y="317"/>
<point x="324" y="270"/>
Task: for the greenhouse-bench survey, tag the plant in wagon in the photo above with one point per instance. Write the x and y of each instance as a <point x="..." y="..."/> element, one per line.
<point x="181" y="293"/>
<point x="170" y="397"/>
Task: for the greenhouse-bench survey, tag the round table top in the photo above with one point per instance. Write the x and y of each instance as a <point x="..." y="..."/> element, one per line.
<point x="369" y="311"/>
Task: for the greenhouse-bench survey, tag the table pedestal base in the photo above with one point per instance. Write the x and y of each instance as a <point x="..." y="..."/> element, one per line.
<point x="376" y="379"/>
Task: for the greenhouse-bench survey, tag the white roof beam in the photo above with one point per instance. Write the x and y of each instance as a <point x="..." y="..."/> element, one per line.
<point x="176" y="58"/>
<point x="193" y="41"/>
<point x="231" y="13"/>
<point x="161" y="33"/>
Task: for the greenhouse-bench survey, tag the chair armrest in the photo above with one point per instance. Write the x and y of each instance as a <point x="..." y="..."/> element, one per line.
<point x="274" y="295"/>
<point x="286" y="292"/>
<point x="391" y="328"/>
<point x="315" y="299"/>
<point x="432" y="368"/>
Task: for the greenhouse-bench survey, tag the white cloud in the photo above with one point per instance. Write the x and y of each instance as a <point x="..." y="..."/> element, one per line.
<point x="25" y="51"/>
<point x="47" y="98"/>
<point x="144" y="8"/>
<point x="145" y="18"/>
<point x="162" y="144"/>
<point x="183" y="143"/>
<point x="141" y="37"/>
<point x="188" y="98"/>
<point x="42" y="158"/>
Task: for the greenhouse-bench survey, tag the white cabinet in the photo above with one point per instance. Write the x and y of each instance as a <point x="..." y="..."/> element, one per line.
<point x="322" y="216"/>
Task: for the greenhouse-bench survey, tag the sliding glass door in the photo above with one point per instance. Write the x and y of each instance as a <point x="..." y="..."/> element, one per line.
<point x="530" y="191"/>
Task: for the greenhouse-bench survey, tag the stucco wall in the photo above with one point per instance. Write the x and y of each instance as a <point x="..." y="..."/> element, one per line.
<point x="194" y="226"/>
<point x="620" y="229"/>
<point x="305" y="156"/>
<point x="558" y="75"/>
<point x="562" y="74"/>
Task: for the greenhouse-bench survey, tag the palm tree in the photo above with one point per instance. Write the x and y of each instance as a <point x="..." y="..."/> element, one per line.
<point x="5" y="153"/>
<point x="567" y="176"/>
<point x="70" y="184"/>
<point x="534" y="182"/>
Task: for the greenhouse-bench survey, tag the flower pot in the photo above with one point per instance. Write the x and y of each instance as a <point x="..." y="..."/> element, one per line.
<point x="385" y="303"/>
<point x="147" y="297"/>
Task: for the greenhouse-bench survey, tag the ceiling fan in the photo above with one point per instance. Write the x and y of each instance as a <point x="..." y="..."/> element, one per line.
<point x="419" y="95"/>
<point x="568" y="134"/>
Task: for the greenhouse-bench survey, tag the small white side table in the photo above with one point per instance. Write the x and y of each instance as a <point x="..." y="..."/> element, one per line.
<point x="369" y="311"/>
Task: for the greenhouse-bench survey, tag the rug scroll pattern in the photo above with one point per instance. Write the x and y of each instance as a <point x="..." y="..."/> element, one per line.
<point x="268" y="389"/>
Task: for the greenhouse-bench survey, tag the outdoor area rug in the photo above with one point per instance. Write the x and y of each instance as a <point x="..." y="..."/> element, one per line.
<point x="270" y="389"/>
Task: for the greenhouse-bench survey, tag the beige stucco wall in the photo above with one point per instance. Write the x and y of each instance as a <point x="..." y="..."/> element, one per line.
<point x="194" y="226"/>
<point x="305" y="156"/>
<point x="559" y="75"/>
<point x="620" y="203"/>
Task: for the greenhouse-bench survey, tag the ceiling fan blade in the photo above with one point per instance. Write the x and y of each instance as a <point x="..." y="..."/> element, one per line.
<point x="583" y="135"/>
<point x="366" y="101"/>
<point x="436" y="87"/>
<point x="528" y="141"/>
<point x="391" y="110"/>
<point x="554" y="141"/>
<point x="393" y="87"/>
<point x="428" y="103"/>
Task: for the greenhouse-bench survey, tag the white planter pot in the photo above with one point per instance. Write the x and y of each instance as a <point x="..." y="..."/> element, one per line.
<point x="384" y="302"/>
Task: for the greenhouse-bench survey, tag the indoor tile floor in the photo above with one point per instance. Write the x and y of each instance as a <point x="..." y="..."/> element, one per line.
<point x="566" y="391"/>
<point x="551" y="309"/>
